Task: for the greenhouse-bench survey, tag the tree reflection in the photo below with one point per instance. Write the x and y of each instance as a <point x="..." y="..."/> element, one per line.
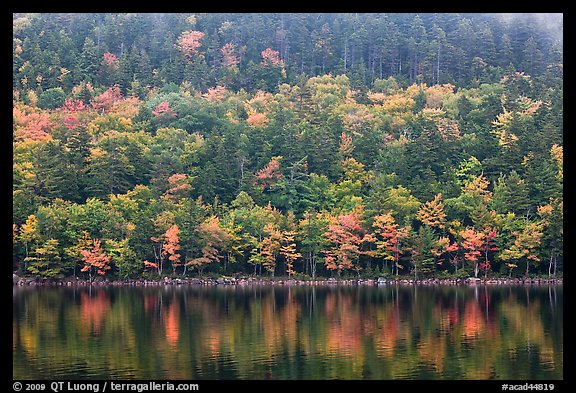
<point x="290" y="333"/>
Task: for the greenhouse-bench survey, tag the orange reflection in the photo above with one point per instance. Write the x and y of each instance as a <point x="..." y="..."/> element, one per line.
<point x="172" y="323"/>
<point x="473" y="322"/>
<point x="344" y="325"/>
<point x="93" y="309"/>
<point x="214" y="343"/>
<point x="386" y="339"/>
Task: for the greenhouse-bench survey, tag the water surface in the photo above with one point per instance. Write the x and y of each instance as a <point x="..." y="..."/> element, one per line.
<point x="303" y="332"/>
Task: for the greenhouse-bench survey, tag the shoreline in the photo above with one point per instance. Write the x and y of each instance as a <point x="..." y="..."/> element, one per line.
<point x="253" y="281"/>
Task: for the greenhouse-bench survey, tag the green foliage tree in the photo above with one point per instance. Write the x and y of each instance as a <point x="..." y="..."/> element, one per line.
<point x="44" y="261"/>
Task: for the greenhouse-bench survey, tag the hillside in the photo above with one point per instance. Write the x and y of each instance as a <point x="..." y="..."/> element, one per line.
<point x="287" y="144"/>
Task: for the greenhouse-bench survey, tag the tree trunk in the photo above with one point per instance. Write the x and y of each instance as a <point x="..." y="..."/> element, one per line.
<point x="438" y="66"/>
<point x="313" y="266"/>
<point x="241" y="179"/>
<point x="345" y="53"/>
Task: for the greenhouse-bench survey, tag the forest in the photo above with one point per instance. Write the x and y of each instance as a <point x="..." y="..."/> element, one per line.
<point x="291" y="145"/>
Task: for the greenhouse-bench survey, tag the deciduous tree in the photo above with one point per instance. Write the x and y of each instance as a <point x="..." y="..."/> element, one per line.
<point x="432" y="213"/>
<point x="95" y="260"/>
<point x="213" y="239"/>
<point x="473" y="244"/>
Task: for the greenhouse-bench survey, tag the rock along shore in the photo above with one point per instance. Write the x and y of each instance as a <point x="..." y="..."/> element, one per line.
<point x="244" y="281"/>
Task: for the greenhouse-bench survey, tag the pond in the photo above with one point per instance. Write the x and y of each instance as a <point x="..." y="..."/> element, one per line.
<point x="384" y="332"/>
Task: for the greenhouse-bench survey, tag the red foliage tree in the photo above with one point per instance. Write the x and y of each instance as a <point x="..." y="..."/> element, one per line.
<point x="73" y="105"/>
<point x="163" y="110"/>
<point x="171" y="246"/>
<point x="103" y="102"/>
<point x="388" y="238"/>
<point x="271" y="57"/>
<point x="32" y="126"/>
<point x="257" y="120"/>
<point x="443" y="246"/>
<point x="345" y="236"/>
<point x="110" y="60"/>
<point x="473" y="243"/>
<point x="214" y="94"/>
<point x="270" y="174"/>
<point x="229" y="58"/>
<point x="189" y="43"/>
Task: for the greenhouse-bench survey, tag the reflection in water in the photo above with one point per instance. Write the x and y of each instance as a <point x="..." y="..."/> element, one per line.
<point x="93" y="309"/>
<point x="306" y="332"/>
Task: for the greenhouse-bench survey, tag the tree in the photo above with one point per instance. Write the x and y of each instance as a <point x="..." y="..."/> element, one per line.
<point x="511" y="194"/>
<point x="432" y="213"/>
<point x="552" y="216"/>
<point x="269" y="247"/>
<point x="557" y="153"/>
<point x="29" y="234"/>
<point x="344" y="236"/>
<point x="180" y="187"/>
<point x="270" y="174"/>
<point x="189" y="44"/>
<point x="73" y="253"/>
<point x="213" y="238"/>
<point x="288" y="250"/>
<point x="473" y="243"/>
<point x="422" y="244"/>
<point x="489" y="245"/>
<point x="95" y="260"/>
<point x="44" y="261"/>
<point x="388" y="239"/>
<point x="311" y="229"/>
<point x="109" y="69"/>
<point x="171" y="246"/>
<point x="443" y="246"/>
<point x="163" y="111"/>
<point x="525" y="245"/>
<point x="166" y="245"/>
<point x="51" y="98"/>
<point x="229" y="58"/>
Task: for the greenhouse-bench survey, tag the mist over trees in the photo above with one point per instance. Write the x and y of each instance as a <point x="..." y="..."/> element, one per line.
<point x="287" y="144"/>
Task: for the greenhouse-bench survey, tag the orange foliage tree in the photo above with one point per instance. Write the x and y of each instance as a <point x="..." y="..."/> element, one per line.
<point x="345" y="236"/>
<point x="270" y="174"/>
<point x="212" y="236"/>
<point x="165" y="247"/>
<point x="388" y="238"/>
<point x="270" y="247"/>
<point x="95" y="260"/>
<point x="189" y="43"/>
<point x="288" y="250"/>
<point x="472" y="243"/>
<point x="432" y="213"/>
